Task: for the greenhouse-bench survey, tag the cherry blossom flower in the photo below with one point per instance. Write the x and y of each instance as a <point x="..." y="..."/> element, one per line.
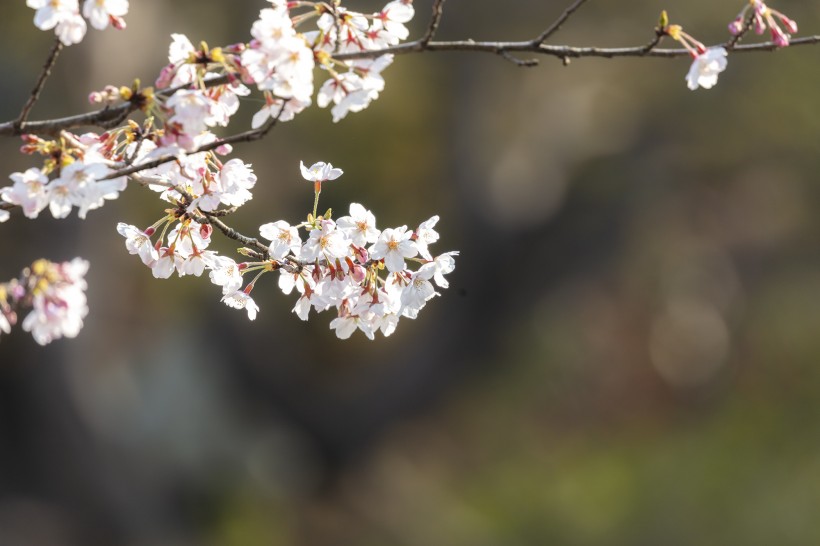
<point x="326" y="241"/>
<point x="192" y="109"/>
<point x="225" y="273"/>
<point x="445" y="264"/>
<point x="71" y="30"/>
<point x="59" y="305"/>
<point x="418" y="291"/>
<point x="138" y="242"/>
<point x="393" y="246"/>
<point x="29" y="191"/>
<point x="236" y="178"/>
<point x="79" y="185"/>
<point x="166" y="263"/>
<point x="319" y="172"/>
<point x="706" y="67"/>
<point x="392" y="18"/>
<point x="284" y="239"/>
<point x="425" y="235"/>
<point x="360" y="226"/>
<point x="61" y="15"/>
<point x="101" y="12"/>
<point x="239" y="299"/>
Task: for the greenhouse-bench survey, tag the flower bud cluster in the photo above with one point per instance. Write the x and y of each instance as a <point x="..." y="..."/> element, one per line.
<point x="55" y="293"/>
<point x="765" y="17"/>
<point x="70" y="27"/>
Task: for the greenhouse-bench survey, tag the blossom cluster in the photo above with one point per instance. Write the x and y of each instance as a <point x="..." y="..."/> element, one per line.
<point x="55" y="293"/>
<point x="708" y="63"/>
<point x="69" y="25"/>
<point x="280" y="61"/>
<point x="81" y="182"/>
<point x="762" y="17"/>
<point x="346" y="264"/>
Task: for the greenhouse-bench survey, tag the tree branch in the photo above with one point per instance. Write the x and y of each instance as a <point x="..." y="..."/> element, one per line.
<point x="732" y="43"/>
<point x="553" y="28"/>
<point x="246" y="136"/>
<point x="41" y="81"/>
<point x="438" y="11"/>
<point x="105" y="118"/>
<point x="556" y="51"/>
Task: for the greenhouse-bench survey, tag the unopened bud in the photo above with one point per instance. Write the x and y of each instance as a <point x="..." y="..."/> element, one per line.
<point x="790" y="24"/>
<point x="779" y="38"/>
<point x="117" y="22"/>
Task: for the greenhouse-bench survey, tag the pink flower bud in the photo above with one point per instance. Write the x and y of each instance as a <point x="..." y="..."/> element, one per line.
<point x="790" y="24"/>
<point x="166" y="76"/>
<point x="759" y="23"/>
<point x="779" y="38"/>
<point x="736" y="26"/>
<point x="95" y="97"/>
<point x="117" y="22"/>
<point x="235" y="48"/>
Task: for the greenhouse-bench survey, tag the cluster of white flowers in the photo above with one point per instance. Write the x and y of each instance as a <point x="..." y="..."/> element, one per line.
<point x="70" y="27"/>
<point x="81" y="182"/>
<point x="280" y="61"/>
<point x="338" y="266"/>
<point x="56" y="295"/>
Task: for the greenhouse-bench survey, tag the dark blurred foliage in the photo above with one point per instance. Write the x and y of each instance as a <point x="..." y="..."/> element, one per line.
<point x="628" y="354"/>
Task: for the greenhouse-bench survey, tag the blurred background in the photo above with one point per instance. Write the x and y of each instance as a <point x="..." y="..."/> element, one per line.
<point x="627" y="355"/>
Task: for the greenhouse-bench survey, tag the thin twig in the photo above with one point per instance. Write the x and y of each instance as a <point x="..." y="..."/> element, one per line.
<point x="41" y="81"/>
<point x="111" y="116"/>
<point x="231" y="233"/>
<point x="438" y="11"/>
<point x="730" y="45"/>
<point x="659" y="34"/>
<point x="553" y="28"/>
<point x="106" y="118"/>
<point x="246" y="136"/>
<point x="555" y="51"/>
<point x="527" y="63"/>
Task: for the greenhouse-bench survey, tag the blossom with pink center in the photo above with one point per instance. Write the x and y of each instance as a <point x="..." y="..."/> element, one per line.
<point x="101" y="12"/>
<point x="226" y="273"/>
<point x="319" y="172"/>
<point x="284" y="239"/>
<point x="360" y="226"/>
<point x="393" y="246"/>
<point x="706" y="67"/>
<point x="138" y="242"/>
<point x="29" y="191"/>
<point x="240" y="299"/>
<point x="61" y="15"/>
<point x="59" y="305"/>
<point x="327" y="241"/>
